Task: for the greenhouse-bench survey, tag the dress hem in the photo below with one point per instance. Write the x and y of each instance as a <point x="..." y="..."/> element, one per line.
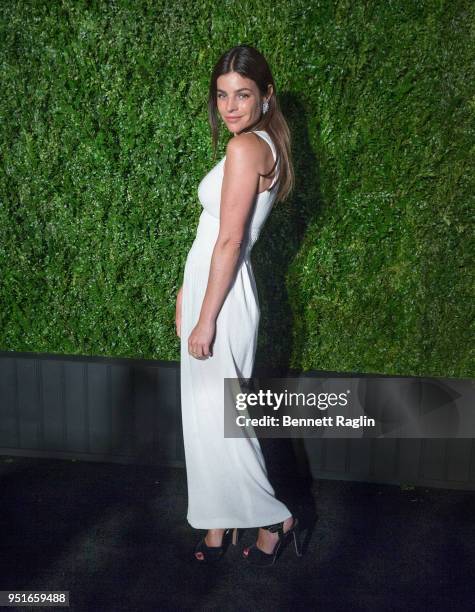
<point x="227" y="523"/>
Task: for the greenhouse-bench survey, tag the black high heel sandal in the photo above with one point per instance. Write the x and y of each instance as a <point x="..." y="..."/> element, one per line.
<point x="211" y="554"/>
<point x="256" y="556"/>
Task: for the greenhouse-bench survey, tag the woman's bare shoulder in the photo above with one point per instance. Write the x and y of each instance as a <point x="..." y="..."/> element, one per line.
<point x="246" y="143"/>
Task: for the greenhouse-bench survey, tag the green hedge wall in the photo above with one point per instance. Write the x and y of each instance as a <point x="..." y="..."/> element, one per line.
<point x="104" y="139"/>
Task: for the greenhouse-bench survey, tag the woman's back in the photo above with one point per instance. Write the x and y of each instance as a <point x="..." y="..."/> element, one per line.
<point x="209" y="193"/>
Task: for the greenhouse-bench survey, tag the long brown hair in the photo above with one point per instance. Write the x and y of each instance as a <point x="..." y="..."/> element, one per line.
<point x="251" y="64"/>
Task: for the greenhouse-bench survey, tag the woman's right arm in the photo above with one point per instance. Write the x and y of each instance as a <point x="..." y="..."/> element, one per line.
<point x="178" y="312"/>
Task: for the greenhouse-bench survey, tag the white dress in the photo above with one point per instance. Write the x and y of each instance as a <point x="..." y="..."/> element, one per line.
<point x="227" y="478"/>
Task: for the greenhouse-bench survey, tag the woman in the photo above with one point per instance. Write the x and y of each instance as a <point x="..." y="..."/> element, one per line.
<point x="217" y="311"/>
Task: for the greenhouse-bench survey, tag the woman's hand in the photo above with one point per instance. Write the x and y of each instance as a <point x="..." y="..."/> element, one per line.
<point x="178" y="311"/>
<point x="200" y="340"/>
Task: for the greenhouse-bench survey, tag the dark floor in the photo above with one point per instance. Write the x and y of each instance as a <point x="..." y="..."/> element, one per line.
<point x="116" y="537"/>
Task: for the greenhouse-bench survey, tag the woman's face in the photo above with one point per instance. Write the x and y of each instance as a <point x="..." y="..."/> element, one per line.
<point x="239" y="101"/>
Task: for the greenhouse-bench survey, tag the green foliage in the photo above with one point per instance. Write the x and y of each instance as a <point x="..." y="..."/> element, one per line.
<point x="104" y="139"/>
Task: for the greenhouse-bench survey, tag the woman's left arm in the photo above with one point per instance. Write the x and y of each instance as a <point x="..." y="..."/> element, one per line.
<point x="238" y="192"/>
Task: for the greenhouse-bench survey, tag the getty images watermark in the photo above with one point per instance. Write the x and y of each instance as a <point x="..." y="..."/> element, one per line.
<point x="276" y="401"/>
<point x="353" y="407"/>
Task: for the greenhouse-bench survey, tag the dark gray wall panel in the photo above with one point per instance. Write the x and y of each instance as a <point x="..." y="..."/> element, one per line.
<point x="75" y="406"/>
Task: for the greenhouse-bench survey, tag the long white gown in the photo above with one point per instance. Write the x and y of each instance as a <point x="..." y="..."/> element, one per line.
<point x="227" y="478"/>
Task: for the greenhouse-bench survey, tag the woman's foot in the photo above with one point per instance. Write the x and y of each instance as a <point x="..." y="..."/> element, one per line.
<point x="214" y="537"/>
<point x="268" y="547"/>
<point x="266" y="540"/>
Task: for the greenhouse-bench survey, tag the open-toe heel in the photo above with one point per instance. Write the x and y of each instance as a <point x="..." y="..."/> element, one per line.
<point x="212" y="554"/>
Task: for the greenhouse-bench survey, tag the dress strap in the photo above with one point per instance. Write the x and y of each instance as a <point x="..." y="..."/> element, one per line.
<point x="265" y="136"/>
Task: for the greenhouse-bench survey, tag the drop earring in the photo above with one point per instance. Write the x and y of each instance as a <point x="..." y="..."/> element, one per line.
<point x="265" y="106"/>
